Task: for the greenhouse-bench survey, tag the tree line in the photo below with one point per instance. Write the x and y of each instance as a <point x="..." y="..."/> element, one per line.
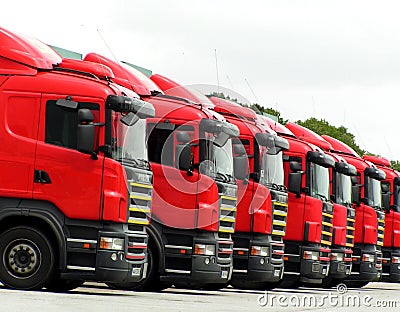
<point x="319" y="126"/>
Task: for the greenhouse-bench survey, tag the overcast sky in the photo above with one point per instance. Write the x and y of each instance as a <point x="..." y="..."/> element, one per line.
<point x="336" y="60"/>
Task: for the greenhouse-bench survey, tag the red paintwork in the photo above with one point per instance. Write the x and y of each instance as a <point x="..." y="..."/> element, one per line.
<point x="193" y="198"/>
<point x="254" y="207"/>
<point x="307" y="135"/>
<point x="171" y="87"/>
<point x="100" y="70"/>
<point x="125" y="75"/>
<point x="303" y="209"/>
<point x="339" y="220"/>
<point x="27" y="51"/>
<point x="234" y="110"/>
<point x="339" y="146"/>
<point x="366" y="224"/>
<point x="98" y="188"/>
<point x="277" y="127"/>
<point x="392" y="218"/>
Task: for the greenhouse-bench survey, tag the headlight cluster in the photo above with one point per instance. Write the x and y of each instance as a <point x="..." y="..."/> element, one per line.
<point x="262" y="251"/>
<point x="203" y="249"/>
<point x="311" y="255"/>
<point x="368" y="258"/>
<point x="112" y="243"/>
<point x="334" y="256"/>
<point x="142" y="177"/>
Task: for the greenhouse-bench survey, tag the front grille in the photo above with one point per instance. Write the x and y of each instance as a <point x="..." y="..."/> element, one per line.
<point x="279" y="221"/>
<point x="140" y="203"/>
<point x="137" y="246"/>
<point x="139" y="212"/>
<point x="326" y="232"/>
<point x="227" y="209"/>
<point x="350" y="227"/>
<point x="225" y="250"/>
<point x="381" y="227"/>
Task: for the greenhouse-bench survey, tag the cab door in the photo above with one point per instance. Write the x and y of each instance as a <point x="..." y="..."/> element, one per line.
<point x="63" y="176"/>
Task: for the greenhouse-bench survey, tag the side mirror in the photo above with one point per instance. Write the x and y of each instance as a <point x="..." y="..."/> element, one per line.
<point x="85" y="131"/>
<point x="386" y="201"/>
<point x="239" y="150"/>
<point x="295" y="166"/>
<point x="295" y="183"/>
<point x="240" y="167"/>
<point x="355" y="194"/>
<point x="183" y="156"/>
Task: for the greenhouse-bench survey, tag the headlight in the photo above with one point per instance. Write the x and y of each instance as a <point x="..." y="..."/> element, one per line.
<point x="336" y="256"/>
<point x="230" y="191"/>
<point x="310" y="255"/>
<point x="395" y="259"/>
<point x="112" y="243"/>
<point x="142" y="177"/>
<point x="203" y="249"/>
<point x="262" y="251"/>
<point x="368" y="258"/>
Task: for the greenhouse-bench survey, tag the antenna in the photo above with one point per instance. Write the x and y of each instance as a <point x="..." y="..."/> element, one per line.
<point x="216" y="66"/>
<point x="114" y="57"/>
<point x="251" y="89"/>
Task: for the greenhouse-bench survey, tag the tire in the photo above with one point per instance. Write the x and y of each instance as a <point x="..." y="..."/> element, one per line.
<point x="151" y="282"/>
<point x="355" y="284"/>
<point x="63" y="285"/>
<point x="289" y="283"/>
<point x="27" y="258"/>
<point x="214" y="287"/>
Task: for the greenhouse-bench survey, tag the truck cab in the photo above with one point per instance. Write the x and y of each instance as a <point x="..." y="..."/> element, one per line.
<point x="308" y="236"/>
<point x="65" y="196"/>
<point x="390" y="203"/>
<point x="369" y="219"/>
<point x="343" y="213"/>
<point x="195" y="192"/>
<point x="262" y="206"/>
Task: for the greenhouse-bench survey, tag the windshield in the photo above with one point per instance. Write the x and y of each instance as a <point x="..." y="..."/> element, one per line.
<point x="396" y="198"/>
<point x="343" y="189"/>
<point x="222" y="158"/>
<point x="374" y="193"/>
<point x="319" y="182"/>
<point x="130" y="146"/>
<point x="271" y="171"/>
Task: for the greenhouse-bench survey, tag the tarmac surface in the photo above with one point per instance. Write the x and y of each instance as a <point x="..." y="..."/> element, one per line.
<point x="98" y="297"/>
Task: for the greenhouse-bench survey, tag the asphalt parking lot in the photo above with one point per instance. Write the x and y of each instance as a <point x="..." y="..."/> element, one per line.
<point x="98" y="297"/>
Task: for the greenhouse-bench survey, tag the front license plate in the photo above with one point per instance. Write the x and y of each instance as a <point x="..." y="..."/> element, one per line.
<point x="277" y="273"/>
<point x="224" y="274"/>
<point x="323" y="271"/>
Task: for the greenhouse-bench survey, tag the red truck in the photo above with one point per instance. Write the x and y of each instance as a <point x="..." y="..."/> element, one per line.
<point x="66" y="188"/>
<point x="262" y="197"/>
<point x="195" y="192"/>
<point x="391" y="205"/>
<point x="262" y="208"/>
<point x="343" y="213"/>
<point x="309" y="221"/>
<point x="369" y="218"/>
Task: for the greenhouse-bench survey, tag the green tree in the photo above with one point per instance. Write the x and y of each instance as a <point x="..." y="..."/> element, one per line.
<point x="341" y="133"/>
<point x="270" y="111"/>
<point x="395" y="164"/>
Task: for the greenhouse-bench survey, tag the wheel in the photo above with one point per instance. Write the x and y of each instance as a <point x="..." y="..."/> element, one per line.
<point x="27" y="258"/>
<point x="248" y="285"/>
<point x="151" y="282"/>
<point x="289" y="283"/>
<point x="328" y="283"/>
<point x="62" y="285"/>
<point x="214" y="286"/>
<point x="355" y="284"/>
